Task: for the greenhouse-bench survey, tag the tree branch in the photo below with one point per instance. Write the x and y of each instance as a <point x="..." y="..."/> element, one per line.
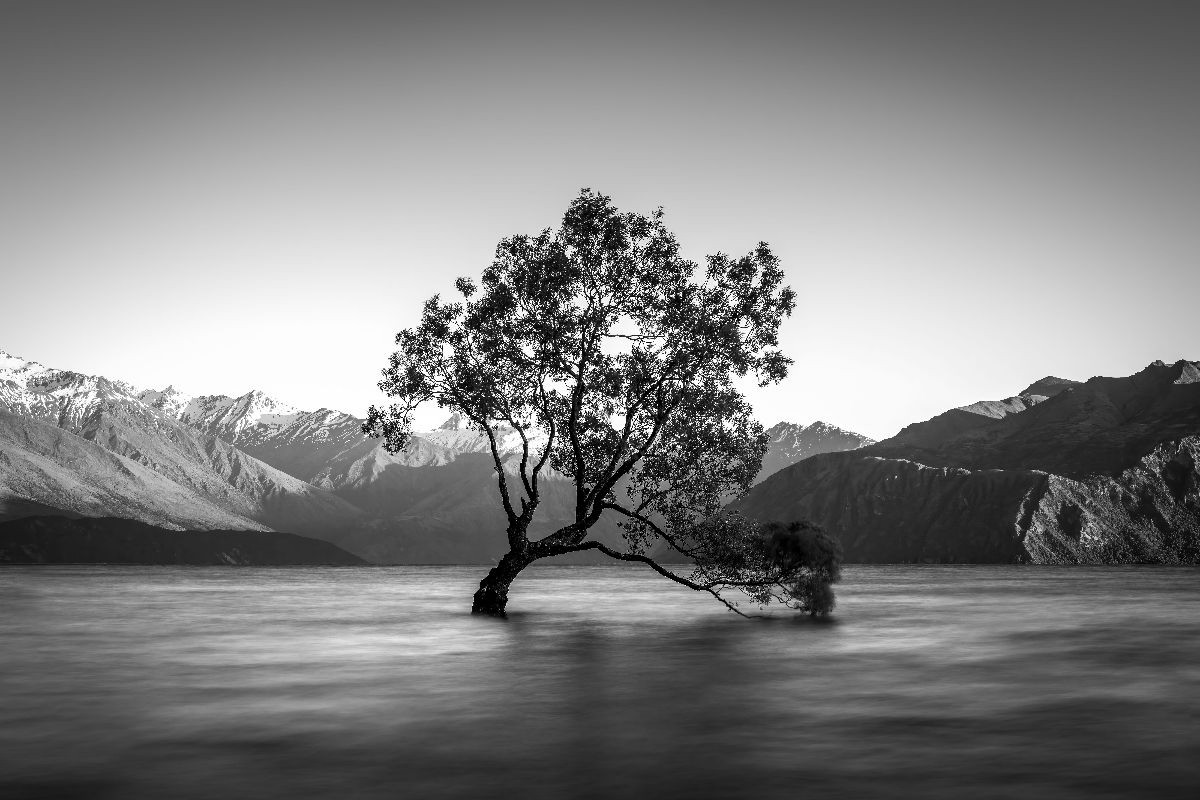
<point x="649" y="523"/>
<point x="546" y="414"/>
<point x="501" y="481"/>
<point x="654" y="565"/>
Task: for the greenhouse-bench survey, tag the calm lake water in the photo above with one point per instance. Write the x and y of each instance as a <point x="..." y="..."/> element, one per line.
<point x="943" y="681"/>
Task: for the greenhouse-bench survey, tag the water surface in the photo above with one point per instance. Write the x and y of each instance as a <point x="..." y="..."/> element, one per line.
<point x="942" y="681"/>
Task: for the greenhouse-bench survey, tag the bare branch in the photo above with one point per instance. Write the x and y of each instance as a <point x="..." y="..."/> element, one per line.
<point x="661" y="570"/>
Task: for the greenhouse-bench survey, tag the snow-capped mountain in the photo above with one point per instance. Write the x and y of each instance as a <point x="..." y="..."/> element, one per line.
<point x="308" y="444"/>
<point x="213" y="483"/>
<point x="92" y="446"/>
<point x="237" y="420"/>
<point x="444" y="476"/>
<point x="327" y="448"/>
<point x="790" y="442"/>
<point x="61" y="397"/>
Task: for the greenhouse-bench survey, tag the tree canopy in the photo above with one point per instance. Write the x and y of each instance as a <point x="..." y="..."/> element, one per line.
<point x="613" y="359"/>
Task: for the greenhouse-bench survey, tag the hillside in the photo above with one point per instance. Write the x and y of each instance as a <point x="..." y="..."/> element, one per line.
<point x="44" y="468"/>
<point x="1098" y="427"/>
<point x="790" y="443"/>
<point x="1099" y="472"/>
<point x="88" y="445"/>
<point x="108" y="540"/>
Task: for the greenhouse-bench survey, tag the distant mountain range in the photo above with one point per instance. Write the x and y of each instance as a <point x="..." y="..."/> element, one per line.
<point x="1064" y="472"/>
<point x="75" y="445"/>
<point x="1061" y="472"/>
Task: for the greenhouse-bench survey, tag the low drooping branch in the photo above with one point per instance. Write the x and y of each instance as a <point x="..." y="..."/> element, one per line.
<point x="654" y="565"/>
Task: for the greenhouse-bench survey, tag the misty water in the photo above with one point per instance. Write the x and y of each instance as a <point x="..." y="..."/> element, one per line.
<point x="140" y="682"/>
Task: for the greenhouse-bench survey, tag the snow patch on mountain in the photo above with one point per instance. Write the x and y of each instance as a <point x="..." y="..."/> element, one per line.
<point x="62" y="397"/>
<point x="251" y="417"/>
<point x="151" y="428"/>
<point x="789" y="442"/>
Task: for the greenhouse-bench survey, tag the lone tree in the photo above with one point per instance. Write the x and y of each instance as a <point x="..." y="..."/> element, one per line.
<point x="613" y="359"/>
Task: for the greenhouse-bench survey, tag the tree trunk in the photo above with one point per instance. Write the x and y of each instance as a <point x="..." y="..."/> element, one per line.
<point x="492" y="596"/>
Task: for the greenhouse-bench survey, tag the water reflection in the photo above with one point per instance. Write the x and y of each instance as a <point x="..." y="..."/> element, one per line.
<point x="931" y="681"/>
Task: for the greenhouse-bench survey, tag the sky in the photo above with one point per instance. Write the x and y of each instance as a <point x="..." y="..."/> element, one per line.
<point x="965" y="196"/>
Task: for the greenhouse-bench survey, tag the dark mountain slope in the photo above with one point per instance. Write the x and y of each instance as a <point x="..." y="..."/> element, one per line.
<point x="1101" y="472"/>
<point x="108" y="540"/>
<point x="18" y="507"/>
<point x="790" y="443"/>
<point x="1100" y="427"/>
<point x="1049" y="386"/>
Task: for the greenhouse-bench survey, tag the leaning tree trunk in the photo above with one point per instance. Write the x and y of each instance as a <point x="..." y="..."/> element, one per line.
<point x="492" y="596"/>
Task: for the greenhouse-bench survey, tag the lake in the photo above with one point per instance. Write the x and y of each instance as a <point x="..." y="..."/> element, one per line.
<point x="930" y="681"/>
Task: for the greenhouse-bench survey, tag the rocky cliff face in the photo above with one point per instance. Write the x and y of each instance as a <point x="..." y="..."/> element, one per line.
<point x="1148" y="513"/>
<point x="1100" y="472"/>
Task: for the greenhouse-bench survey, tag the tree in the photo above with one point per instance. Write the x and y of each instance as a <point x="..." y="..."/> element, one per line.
<point x="613" y="359"/>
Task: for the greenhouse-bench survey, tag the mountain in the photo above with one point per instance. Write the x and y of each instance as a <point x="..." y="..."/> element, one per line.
<point x="1098" y="472"/>
<point x="1049" y="386"/>
<point x="227" y="418"/>
<point x="45" y="469"/>
<point x="790" y="443"/>
<point x="964" y="419"/>
<point x="89" y="445"/>
<point x="442" y="477"/>
<point x="327" y="448"/>
<point x="79" y="445"/>
<point x="960" y="421"/>
<point x="1100" y="427"/>
<point x="109" y="540"/>
<point x="13" y="507"/>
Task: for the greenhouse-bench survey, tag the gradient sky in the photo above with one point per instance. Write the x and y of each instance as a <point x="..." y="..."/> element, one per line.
<point x="966" y="196"/>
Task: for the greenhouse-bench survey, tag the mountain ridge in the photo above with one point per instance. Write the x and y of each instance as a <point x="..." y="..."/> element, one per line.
<point x="252" y="462"/>
<point x="206" y="470"/>
<point x="791" y="442"/>
<point x="1103" y="471"/>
